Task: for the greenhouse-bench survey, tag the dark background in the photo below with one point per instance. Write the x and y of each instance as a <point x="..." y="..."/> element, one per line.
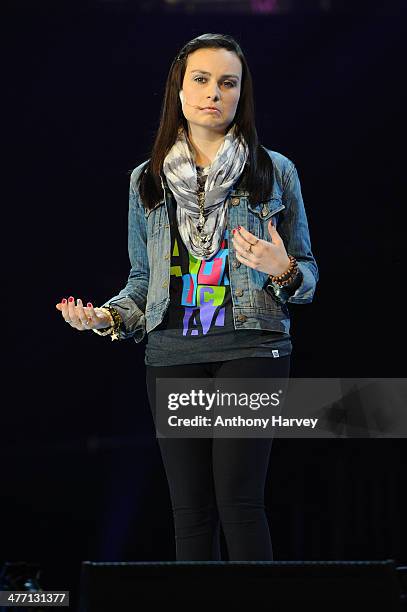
<point x="82" y="476"/>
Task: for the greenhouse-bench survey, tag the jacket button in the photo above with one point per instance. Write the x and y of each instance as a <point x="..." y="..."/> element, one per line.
<point x="241" y="317"/>
<point x="265" y="211"/>
<point x="239" y="292"/>
<point x="165" y="284"/>
<point x="235" y="201"/>
<point x="167" y="256"/>
<point x="235" y="264"/>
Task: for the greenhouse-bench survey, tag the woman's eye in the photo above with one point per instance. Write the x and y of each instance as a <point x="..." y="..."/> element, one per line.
<point x="230" y="83"/>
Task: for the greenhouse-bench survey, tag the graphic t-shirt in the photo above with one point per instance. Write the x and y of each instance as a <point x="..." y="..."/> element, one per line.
<point x="198" y="325"/>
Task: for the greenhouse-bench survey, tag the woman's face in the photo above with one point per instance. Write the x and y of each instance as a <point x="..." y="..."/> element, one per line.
<point x="212" y="78"/>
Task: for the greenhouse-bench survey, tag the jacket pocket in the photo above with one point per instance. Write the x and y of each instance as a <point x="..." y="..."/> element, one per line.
<point x="259" y="215"/>
<point x="265" y="210"/>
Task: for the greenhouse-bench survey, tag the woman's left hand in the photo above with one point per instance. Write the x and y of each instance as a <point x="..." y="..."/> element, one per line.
<point x="270" y="257"/>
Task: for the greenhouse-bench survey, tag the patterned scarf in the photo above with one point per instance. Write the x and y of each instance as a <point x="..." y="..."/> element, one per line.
<point x="180" y="171"/>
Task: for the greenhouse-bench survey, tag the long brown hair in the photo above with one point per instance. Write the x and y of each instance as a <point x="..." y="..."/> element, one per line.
<point x="258" y="175"/>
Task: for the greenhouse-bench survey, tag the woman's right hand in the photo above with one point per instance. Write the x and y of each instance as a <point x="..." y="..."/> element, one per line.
<point x="80" y="317"/>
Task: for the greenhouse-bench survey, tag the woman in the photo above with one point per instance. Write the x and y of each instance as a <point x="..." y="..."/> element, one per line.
<point x="218" y="244"/>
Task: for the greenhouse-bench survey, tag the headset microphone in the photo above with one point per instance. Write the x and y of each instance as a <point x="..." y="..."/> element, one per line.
<point x="183" y="101"/>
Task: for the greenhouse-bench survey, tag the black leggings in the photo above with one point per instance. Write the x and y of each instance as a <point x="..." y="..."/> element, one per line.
<point x="215" y="481"/>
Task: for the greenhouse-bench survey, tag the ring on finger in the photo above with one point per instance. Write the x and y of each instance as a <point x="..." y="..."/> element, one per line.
<point x="252" y="244"/>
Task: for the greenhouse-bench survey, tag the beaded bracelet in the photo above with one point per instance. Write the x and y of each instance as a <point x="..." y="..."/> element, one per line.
<point x="289" y="279"/>
<point x="115" y="323"/>
<point x="286" y="277"/>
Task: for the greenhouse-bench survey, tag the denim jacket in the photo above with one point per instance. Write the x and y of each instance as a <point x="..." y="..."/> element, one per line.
<point x="257" y="303"/>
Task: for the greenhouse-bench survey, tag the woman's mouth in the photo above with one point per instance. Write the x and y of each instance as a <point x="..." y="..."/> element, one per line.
<point x="210" y="110"/>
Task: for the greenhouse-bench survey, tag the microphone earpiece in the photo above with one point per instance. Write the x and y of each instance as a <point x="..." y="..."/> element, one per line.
<point x="183" y="101"/>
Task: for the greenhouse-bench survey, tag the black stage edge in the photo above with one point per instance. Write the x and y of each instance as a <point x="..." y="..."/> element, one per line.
<point x="129" y="586"/>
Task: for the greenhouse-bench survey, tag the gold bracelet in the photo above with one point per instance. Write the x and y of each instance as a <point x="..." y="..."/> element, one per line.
<point x="115" y="323"/>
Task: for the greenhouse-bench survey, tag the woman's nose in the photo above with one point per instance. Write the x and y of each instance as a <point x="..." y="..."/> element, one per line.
<point x="214" y="93"/>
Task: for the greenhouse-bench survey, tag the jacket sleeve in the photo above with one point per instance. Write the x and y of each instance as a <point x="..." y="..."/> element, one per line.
<point x="293" y="229"/>
<point x="130" y="302"/>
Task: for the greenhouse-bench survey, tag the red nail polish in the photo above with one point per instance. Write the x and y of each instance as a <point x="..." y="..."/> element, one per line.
<point x="238" y="227"/>
<point x="63" y="301"/>
<point x="233" y="231"/>
<point x="71" y="299"/>
<point x="89" y="305"/>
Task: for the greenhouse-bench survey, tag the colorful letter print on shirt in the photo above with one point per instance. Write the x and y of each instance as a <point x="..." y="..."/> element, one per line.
<point x="205" y="289"/>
